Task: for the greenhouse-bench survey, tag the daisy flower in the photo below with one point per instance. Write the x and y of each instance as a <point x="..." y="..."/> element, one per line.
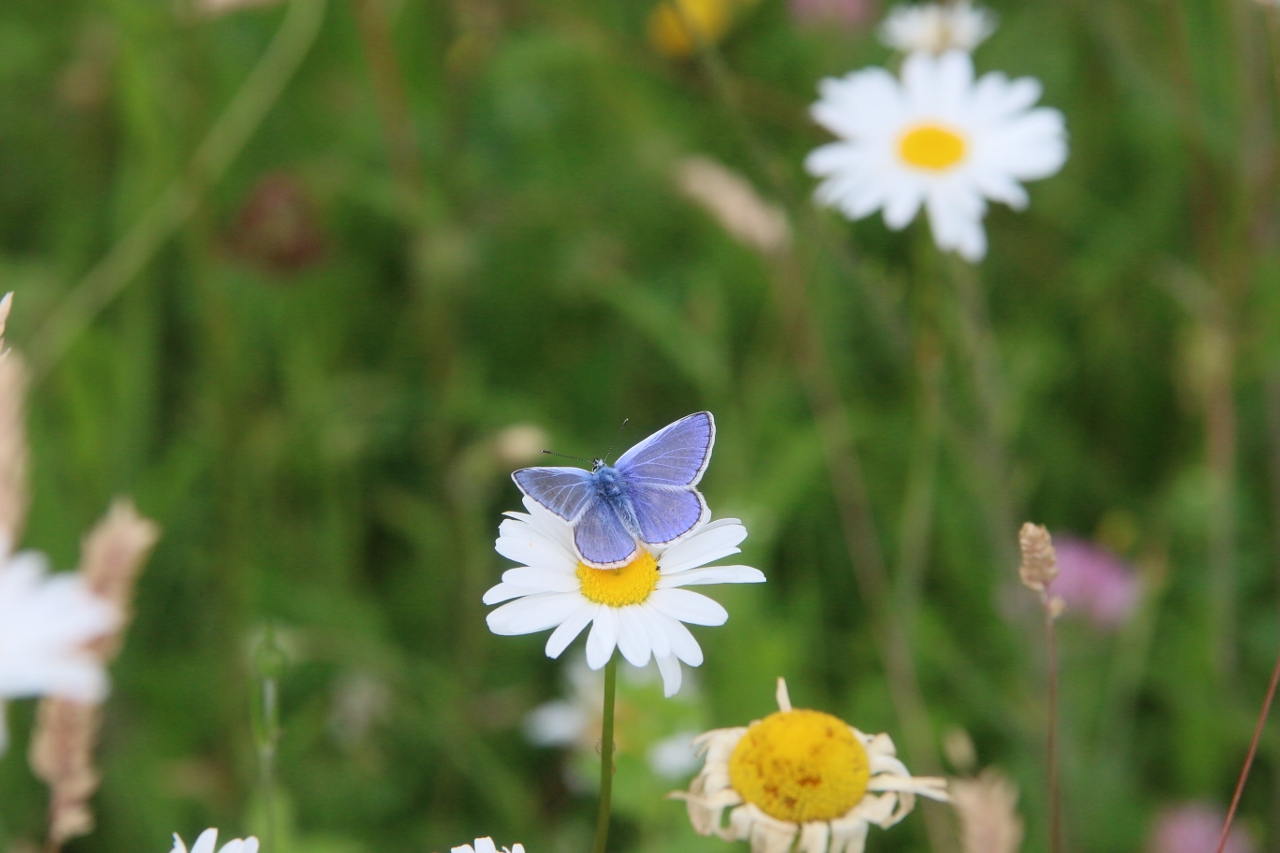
<point x="937" y="27"/>
<point x="486" y="845"/>
<point x="638" y="609"/>
<point x="800" y="773"/>
<point x="46" y="624"/>
<point x="208" y="840"/>
<point x="937" y="138"/>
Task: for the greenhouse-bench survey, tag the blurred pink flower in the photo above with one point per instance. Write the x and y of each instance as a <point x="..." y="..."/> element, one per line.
<point x="850" y="13"/>
<point x="1094" y="582"/>
<point x="1194" y="827"/>
<point x="277" y="227"/>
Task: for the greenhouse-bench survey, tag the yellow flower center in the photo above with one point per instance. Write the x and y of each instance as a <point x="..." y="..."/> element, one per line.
<point x="630" y="584"/>
<point x="932" y="146"/>
<point x="800" y="766"/>
<point x="669" y="26"/>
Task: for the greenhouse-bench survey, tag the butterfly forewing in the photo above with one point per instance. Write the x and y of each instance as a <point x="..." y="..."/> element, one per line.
<point x="674" y="456"/>
<point x="564" y="491"/>
<point x="601" y="538"/>
<point x="666" y="514"/>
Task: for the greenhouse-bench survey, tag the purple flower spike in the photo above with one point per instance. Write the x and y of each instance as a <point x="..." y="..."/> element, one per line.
<point x="1194" y="827"/>
<point x="1095" y="582"/>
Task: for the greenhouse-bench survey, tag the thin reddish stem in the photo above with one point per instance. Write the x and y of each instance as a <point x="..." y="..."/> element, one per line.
<point x="1055" y="796"/>
<point x="1253" y="750"/>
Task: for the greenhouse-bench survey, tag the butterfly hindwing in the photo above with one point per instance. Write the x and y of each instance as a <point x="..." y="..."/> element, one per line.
<point x="664" y="514"/>
<point x="676" y="455"/>
<point x="601" y="538"/>
<point x="564" y="491"/>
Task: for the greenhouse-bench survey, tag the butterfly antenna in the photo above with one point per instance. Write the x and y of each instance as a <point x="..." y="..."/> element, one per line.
<point x="567" y="456"/>
<point x="616" y="437"/>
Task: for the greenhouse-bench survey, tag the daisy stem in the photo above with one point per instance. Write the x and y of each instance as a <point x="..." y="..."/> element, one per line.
<point x="180" y="200"/>
<point x="1248" y="761"/>
<point x="606" y="755"/>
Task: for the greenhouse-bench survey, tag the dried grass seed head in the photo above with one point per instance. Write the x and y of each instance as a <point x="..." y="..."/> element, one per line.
<point x="1039" y="562"/>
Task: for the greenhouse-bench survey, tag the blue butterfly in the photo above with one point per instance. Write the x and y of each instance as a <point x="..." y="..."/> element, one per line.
<point x="647" y="496"/>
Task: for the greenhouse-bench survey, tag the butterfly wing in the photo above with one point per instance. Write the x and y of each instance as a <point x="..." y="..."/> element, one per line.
<point x="564" y="491"/>
<point x="601" y="538"/>
<point x="665" y="513"/>
<point x="676" y="455"/>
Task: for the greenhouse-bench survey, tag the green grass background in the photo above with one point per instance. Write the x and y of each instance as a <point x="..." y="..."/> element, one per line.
<point x="318" y="445"/>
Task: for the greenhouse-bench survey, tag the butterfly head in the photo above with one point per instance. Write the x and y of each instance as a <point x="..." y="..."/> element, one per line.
<point x="596" y="465"/>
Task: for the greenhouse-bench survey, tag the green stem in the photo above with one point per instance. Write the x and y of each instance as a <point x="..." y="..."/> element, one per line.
<point x="176" y="204"/>
<point x="606" y="755"/>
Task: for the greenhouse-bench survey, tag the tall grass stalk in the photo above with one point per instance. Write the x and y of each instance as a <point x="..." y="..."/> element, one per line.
<point x="179" y="201"/>
<point x="1248" y="760"/>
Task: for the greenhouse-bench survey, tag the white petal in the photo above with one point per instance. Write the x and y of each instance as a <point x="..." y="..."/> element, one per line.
<point x="543" y="580"/>
<point x="849" y="835"/>
<point x="683" y="644"/>
<point x="603" y="637"/>
<point x="251" y="844"/>
<point x="655" y="629"/>
<point x="691" y="607"/>
<point x="178" y="845"/>
<point x="505" y="592"/>
<point x="534" y="613"/>
<point x="522" y="542"/>
<point x="715" y="540"/>
<point x="633" y="639"/>
<point x="570" y="628"/>
<point x="669" y="666"/>
<point x="206" y="842"/>
<point x="485" y="845"/>
<point x="713" y="574"/>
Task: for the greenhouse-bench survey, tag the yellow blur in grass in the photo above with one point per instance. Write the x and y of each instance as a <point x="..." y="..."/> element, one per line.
<point x="669" y="26"/>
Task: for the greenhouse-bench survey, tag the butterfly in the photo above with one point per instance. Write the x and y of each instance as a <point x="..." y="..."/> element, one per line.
<point x="647" y="496"/>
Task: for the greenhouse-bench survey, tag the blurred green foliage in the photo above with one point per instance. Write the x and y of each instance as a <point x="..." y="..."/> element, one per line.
<point x="308" y="387"/>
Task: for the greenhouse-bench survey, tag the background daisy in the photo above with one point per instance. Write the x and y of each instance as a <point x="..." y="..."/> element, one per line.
<point x="801" y="774"/>
<point x="46" y="625"/>
<point x="639" y="609"/>
<point x="935" y="137"/>
<point x="937" y="27"/>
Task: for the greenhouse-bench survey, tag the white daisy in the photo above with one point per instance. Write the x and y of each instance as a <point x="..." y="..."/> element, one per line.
<point x="46" y="624"/>
<point x="209" y="839"/>
<point x="486" y="845"/>
<point x="800" y="773"/>
<point x="937" y="27"/>
<point x="638" y="608"/>
<point x="936" y="137"/>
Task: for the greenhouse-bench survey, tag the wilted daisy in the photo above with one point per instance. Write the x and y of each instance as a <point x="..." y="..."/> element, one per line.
<point x="805" y="774"/>
<point x="486" y="845"/>
<point x="937" y="27"/>
<point x="638" y="609"/>
<point x="208" y="840"/>
<point x="46" y="625"/>
<point x="934" y="137"/>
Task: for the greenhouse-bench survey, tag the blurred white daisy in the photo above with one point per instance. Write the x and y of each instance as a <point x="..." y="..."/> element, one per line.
<point x="937" y="27"/>
<point x="486" y="845"/>
<point x="46" y="625"/>
<point x="805" y="774"/>
<point x="208" y="840"/>
<point x="638" y="609"/>
<point x="936" y="137"/>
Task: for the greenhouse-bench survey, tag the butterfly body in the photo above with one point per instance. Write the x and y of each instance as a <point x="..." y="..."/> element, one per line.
<point x="648" y="496"/>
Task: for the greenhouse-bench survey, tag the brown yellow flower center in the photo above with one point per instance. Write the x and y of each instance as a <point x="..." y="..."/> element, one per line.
<point x="800" y="766"/>
<point x="932" y="146"/>
<point x="630" y="584"/>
